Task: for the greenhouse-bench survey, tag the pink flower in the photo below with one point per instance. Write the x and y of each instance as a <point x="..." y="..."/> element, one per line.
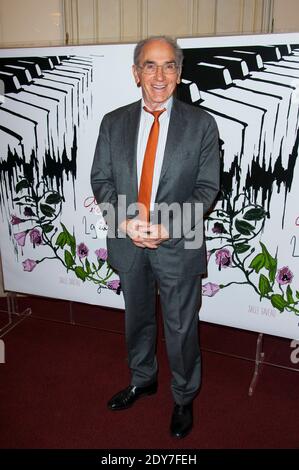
<point x="209" y="289"/>
<point x="82" y="250"/>
<point x="101" y="254"/>
<point x="35" y="237"/>
<point x="15" y="220"/>
<point x="114" y="285"/>
<point x="223" y="258"/>
<point x="20" y="238"/>
<point x="284" y="276"/>
<point x="29" y="265"/>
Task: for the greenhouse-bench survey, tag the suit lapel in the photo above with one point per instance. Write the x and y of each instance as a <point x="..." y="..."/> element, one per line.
<point x="131" y="127"/>
<point x="174" y="139"/>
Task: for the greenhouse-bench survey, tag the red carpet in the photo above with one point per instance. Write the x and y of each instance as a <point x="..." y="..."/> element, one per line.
<point x="58" y="377"/>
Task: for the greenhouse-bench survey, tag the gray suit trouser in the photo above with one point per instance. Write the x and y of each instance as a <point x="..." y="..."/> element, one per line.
<point x="180" y="300"/>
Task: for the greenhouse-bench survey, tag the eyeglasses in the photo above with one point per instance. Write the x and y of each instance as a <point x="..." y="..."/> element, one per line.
<point x="151" y="68"/>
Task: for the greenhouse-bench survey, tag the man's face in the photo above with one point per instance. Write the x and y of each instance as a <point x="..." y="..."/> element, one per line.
<point x="156" y="87"/>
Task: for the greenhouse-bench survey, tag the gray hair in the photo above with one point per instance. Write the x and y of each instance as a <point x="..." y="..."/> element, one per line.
<point x="176" y="48"/>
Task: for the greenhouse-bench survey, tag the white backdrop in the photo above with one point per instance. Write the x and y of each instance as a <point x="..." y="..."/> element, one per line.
<point x="48" y="130"/>
<point x="251" y="88"/>
<point x="70" y="99"/>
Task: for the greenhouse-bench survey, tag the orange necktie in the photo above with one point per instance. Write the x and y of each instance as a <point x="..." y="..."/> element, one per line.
<point x="146" y="180"/>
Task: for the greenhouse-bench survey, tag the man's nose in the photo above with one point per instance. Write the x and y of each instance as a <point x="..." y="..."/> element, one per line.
<point x="160" y="72"/>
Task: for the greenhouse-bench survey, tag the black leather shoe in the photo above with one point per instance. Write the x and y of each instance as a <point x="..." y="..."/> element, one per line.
<point x="127" y="397"/>
<point x="181" y="420"/>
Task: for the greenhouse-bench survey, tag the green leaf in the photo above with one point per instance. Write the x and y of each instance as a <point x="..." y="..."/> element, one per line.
<point x="264" y="285"/>
<point x="258" y="262"/>
<point x="278" y="302"/>
<point x="270" y="262"/>
<point x="80" y="273"/>
<point x="272" y="272"/>
<point x="255" y="214"/>
<point x="54" y="198"/>
<point x="241" y="248"/>
<point x="297" y="294"/>
<point x="22" y="185"/>
<point x="47" y="228"/>
<point x="47" y="210"/>
<point x="65" y="229"/>
<point x="87" y="266"/>
<point x="290" y="298"/>
<point x="94" y="267"/>
<point x="69" y="260"/>
<point x="244" y="227"/>
<point x="61" y="240"/>
<point x="70" y="239"/>
<point x="72" y="244"/>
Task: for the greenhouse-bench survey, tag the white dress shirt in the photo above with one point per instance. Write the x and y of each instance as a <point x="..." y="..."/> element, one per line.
<point x="146" y="121"/>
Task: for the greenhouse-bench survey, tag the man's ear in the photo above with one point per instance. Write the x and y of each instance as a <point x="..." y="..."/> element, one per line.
<point x="136" y="75"/>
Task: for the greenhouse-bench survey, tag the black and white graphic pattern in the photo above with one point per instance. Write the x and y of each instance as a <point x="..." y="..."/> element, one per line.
<point x="52" y="101"/>
<point x="46" y="101"/>
<point x="252" y="92"/>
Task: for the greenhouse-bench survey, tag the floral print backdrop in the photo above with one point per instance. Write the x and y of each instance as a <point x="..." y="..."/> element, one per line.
<point x="52" y="233"/>
<point x="250" y="85"/>
<point x="52" y="242"/>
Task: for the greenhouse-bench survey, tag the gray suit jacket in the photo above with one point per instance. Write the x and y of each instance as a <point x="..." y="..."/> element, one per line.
<point x="190" y="173"/>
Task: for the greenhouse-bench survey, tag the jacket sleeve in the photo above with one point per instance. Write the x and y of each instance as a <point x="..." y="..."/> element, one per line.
<point x="102" y="180"/>
<point x="206" y="186"/>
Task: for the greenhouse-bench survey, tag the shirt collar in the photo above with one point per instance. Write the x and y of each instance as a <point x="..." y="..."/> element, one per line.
<point x="167" y="105"/>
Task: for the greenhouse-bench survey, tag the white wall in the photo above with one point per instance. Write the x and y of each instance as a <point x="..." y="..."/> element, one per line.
<point x="41" y="22"/>
<point x="130" y="20"/>
<point x="31" y="21"/>
<point x="286" y="15"/>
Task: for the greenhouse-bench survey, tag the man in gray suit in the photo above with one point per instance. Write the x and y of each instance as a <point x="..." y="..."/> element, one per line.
<point x="154" y="249"/>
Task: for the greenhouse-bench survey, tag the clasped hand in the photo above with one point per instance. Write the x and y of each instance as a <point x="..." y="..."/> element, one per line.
<point x="144" y="234"/>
